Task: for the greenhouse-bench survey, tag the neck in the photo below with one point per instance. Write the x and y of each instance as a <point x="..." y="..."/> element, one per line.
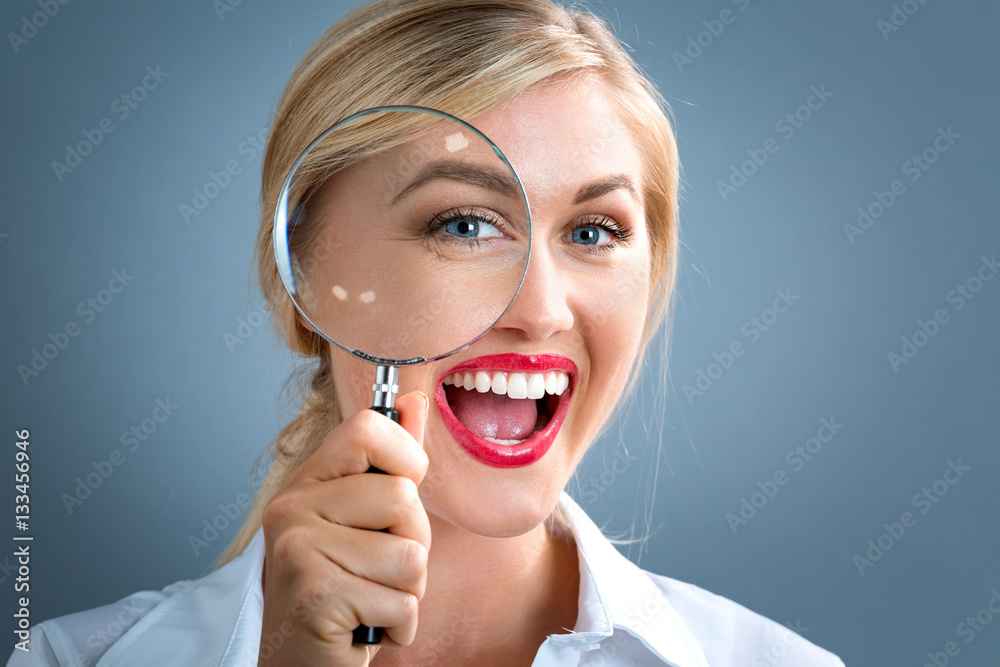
<point x="491" y="600"/>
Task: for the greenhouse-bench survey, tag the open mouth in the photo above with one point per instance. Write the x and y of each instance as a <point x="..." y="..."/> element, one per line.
<point x="506" y="414"/>
<point x="504" y="407"/>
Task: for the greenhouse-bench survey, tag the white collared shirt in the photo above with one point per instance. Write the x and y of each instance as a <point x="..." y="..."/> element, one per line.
<point x="627" y="616"/>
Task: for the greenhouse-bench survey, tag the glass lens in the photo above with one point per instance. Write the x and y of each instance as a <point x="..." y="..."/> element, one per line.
<point x="402" y="233"/>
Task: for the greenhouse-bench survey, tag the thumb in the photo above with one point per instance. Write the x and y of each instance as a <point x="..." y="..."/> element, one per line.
<point x="413" y="409"/>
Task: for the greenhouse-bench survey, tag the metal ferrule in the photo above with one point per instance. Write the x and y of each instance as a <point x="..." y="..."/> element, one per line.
<point x="385" y="387"/>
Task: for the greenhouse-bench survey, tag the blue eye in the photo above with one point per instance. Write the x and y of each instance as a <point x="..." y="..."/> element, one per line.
<point x="591" y="235"/>
<point x="471" y="229"/>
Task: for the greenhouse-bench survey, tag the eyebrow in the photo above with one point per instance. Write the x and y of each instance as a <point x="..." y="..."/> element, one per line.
<point x="485" y="178"/>
<point x="603" y="187"/>
<point x="499" y="182"/>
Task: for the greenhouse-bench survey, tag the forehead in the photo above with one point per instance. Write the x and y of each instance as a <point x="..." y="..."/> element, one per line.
<point x="562" y="135"/>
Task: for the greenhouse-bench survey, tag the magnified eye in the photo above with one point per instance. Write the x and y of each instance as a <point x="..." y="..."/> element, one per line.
<point x="591" y="235"/>
<point x="471" y="229"/>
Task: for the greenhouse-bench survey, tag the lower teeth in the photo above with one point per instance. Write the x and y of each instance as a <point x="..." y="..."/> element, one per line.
<point x="504" y="442"/>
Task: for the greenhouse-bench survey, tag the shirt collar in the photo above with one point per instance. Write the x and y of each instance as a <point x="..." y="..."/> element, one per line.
<point x="227" y="605"/>
<point x="616" y="593"/>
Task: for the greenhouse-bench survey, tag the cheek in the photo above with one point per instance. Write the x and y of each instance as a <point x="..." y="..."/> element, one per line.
<point x="614" y="341"/>
<point x="615" y="302"/>
<point x="613" y="322"/>
<point x="353" y="379"/>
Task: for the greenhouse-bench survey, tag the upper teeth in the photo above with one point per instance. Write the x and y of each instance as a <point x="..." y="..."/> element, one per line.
<point x="514" y="385"/>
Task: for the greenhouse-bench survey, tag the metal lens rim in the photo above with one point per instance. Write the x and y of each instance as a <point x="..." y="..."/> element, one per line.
<point x="280" y="230"/>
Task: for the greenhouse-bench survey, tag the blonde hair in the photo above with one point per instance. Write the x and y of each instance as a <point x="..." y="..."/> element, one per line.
<point x="462" y="57"/>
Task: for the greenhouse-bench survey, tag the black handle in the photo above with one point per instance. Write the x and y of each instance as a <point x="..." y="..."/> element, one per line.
<point x="363" y="634"/>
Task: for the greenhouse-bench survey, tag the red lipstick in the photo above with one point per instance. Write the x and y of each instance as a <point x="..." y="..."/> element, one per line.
<point x="523" y="453"/>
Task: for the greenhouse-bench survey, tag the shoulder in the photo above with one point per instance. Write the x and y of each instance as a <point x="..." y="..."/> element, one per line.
<point x="730" y="634"/>
<point x="80" y="639"/>
<point x="212" y="620"/>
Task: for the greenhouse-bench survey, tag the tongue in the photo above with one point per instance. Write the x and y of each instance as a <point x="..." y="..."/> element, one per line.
<point x="493" y="415"/>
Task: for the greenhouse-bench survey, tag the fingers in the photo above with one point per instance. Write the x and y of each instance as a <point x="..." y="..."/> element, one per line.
<point x="413" y="409"/>
<point x="346" y="547"/>
<point x="332" y="601"/>
<point x="387" y="559"/>
<point x="371" y="439"/>
<point x="366" y="501"/>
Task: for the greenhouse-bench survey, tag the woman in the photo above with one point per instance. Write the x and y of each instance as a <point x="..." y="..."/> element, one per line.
<point x="484" y="562"/>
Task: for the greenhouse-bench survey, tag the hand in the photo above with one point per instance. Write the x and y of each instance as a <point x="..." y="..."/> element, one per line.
<point x="327" y="568"/>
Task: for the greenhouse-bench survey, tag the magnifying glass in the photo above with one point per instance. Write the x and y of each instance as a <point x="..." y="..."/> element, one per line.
<point x="402" y="234"/>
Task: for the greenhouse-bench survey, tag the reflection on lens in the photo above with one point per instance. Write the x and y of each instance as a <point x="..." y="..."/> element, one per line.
<point x="404" y="220"/>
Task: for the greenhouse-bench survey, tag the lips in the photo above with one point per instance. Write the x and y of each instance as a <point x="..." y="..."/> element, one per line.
<point x="534" y="447"/>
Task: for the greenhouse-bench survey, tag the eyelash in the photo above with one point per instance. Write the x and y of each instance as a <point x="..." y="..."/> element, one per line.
<point x="620" y="235"/>
<point x="440" y="220"/>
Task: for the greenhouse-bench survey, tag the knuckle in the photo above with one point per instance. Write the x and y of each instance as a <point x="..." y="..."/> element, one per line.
<point x="268" y="520"/>
<point x="323" y="588"/>
<point x="366" y="422"/>
<point x="406" y="605"/>
<point x="403" y="493"/>
<point x="423" y="463"/>
<point x="290" y="544"/>
<point x="278" y="510"/>
<point x="362" y="430"/>
<point x="413" y="559"/>
<point x="352" y="428"/>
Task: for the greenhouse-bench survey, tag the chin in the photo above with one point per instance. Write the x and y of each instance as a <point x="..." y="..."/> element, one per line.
<point x="484" y="500"/>
<point x="494" y="513"/>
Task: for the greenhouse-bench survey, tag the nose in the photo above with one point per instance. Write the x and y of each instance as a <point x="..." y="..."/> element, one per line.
<point x="542" y="307"/>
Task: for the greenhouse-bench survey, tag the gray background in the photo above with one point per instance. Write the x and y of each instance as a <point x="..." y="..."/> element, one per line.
<point x="164" y="335"/>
